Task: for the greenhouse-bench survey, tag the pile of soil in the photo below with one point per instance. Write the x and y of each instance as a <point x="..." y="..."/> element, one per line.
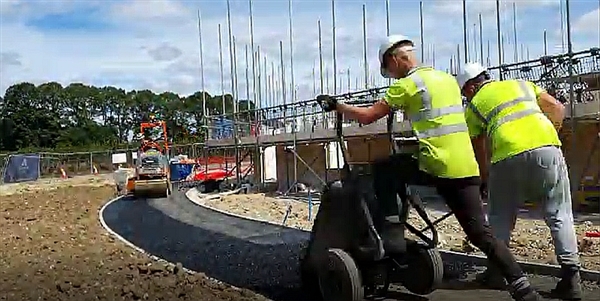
<point x="54" y="248"/>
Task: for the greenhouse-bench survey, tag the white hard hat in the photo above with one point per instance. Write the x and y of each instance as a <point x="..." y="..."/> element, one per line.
<point x="469" y="72"/>
<point x="385" y="45"/>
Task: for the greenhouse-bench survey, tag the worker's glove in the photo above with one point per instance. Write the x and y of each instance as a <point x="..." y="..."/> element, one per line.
<point x="327" y="102"/>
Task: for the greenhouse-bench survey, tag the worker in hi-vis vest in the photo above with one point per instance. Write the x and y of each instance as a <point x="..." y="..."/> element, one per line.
<point x="521" y="122"/>
<point x="432" y="101"/>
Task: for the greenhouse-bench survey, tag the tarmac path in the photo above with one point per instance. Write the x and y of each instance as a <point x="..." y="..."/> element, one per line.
<point x="248" y="254"/>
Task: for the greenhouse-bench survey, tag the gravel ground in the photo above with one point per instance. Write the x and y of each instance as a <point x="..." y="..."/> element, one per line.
<point x="55" y="183"/>
<point x="54" y="248"/>
<point x="531" y="240"/>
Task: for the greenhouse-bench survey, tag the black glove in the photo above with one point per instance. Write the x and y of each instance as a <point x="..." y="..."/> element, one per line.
<point x="327" y="102"/>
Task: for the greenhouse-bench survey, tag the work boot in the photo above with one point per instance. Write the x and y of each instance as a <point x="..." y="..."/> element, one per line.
<point x="526" y="294"/>
<point x="569" y="286"/>
<point x="393" y="238"/>
<point x="521" y="290"/>
<point x="491" y="278"/>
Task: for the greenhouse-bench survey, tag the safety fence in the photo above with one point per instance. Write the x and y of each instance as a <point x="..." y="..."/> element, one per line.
<point x="31" y="166"/>
<point x="49" y="165"/>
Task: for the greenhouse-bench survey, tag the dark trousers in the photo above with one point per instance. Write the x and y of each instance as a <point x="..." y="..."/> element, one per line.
<point x="462" y="197"/>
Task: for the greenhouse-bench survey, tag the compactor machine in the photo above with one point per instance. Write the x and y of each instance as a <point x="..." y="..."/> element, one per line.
<point x="152" y="174"/>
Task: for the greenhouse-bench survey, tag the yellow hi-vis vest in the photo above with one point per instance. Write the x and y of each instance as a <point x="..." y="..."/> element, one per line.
<point x="512" y="118"/>
<point x="434" y="107"/>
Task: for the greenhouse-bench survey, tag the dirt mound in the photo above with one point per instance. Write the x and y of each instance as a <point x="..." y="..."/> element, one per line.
<point x="54" y="248"/>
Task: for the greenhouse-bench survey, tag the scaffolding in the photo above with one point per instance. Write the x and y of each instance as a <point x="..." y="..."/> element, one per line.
<point x="303" y="135"/>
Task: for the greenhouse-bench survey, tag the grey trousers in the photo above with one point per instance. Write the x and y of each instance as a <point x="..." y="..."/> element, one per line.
<point x="538" y="175"/>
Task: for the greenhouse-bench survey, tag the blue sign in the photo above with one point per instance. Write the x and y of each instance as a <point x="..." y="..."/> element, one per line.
<point x="222" y="128"/>
<point x="22" y="168"/>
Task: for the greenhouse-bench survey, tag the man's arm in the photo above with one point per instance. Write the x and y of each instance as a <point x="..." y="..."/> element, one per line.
<point x="550" y="106"/>
<point x="395" y="97"/>
<point x="365" y="115"/>
<point x="481" y="155"/>
<point x="479" y="141"/>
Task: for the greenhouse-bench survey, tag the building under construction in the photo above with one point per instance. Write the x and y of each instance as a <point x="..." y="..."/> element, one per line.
<point x="293" y="143"/>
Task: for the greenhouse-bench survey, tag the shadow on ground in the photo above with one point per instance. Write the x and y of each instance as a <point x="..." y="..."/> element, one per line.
<point x="248" y="254"/>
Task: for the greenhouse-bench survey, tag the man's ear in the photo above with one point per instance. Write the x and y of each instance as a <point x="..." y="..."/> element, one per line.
<point x="471" y="91"/>
<point x="394" y="60"/>
<point x="467" y="88"/>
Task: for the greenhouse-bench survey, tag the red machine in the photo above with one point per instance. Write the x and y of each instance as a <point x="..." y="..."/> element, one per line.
<point x="148" y="142"/>
<point x="211" y="172"/>
<point x="208" y="175"/>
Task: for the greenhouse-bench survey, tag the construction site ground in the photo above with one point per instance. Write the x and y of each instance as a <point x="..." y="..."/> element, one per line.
<point x="55" y="248"/>
<point x="531" y="239"/>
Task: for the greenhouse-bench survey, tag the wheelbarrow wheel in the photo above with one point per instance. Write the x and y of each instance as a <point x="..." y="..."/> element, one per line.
<point x="429" y="270"/>
<point x="340" y="280"/>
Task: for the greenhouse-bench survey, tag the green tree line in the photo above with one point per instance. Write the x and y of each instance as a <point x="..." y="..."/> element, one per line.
<point x="80" y="117"/>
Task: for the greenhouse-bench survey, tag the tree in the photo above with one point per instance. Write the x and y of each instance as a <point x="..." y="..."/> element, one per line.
<point x="82" y="117"/>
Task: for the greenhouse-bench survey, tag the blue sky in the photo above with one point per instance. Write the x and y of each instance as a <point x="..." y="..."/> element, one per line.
<point x="153" y="44"/>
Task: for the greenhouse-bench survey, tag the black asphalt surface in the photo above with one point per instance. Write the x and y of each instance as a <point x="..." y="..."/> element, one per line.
<point x="253" y="255"/>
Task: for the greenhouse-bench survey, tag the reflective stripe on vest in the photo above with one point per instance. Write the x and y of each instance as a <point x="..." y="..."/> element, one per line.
<point x="490" y="118"/>
<point x="427" y="112"/>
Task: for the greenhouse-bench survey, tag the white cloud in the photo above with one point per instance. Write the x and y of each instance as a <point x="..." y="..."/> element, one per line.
<point x="589" y="24"/>
<point x="153" y="44"/>
<point x="8" y="6"/>
<point x="155" y="10"/>
<point x="10" y="58"/>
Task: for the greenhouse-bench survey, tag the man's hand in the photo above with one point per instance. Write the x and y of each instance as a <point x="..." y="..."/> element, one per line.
<point x="327" y="102"/>
<point x="557" y="126"/>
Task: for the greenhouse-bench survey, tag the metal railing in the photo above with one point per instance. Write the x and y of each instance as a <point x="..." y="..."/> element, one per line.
<point x="86" y="163"/>
<point x="550" y="72"/>
<point x="302" y="116"/>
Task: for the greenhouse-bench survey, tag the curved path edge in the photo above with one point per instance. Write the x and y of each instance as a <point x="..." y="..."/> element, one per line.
<point x="141" y="250"/>
<point x="194" y="196"/>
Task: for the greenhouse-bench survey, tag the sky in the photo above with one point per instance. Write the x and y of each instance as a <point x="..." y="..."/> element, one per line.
<point x="154" y="44"/>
